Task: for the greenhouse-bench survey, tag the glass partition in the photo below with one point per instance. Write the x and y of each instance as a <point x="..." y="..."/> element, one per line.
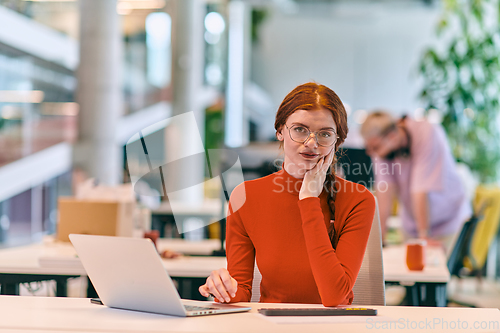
<point x="37" y="106"/>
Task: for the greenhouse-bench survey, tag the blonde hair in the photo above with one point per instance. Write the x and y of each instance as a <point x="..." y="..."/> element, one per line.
<point x="377" y="123"/>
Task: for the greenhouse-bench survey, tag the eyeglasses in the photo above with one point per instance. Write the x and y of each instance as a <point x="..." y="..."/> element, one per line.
<point x="301" y="134"/>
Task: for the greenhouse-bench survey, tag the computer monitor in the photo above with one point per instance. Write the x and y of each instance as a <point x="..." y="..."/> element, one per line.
<point x="356" y="166"/>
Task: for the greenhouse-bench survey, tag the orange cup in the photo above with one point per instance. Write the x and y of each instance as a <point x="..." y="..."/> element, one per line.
<point x="415" y="256"/>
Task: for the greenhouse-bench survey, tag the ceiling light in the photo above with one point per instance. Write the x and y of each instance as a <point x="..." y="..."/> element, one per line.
<point x="214" y="23"/>
<point x="51" y="0"/>
<point x="138" y="4"/>
<point x="123" y="6"/>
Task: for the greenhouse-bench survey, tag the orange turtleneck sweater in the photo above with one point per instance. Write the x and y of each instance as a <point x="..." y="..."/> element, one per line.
<point x="288" y="237"/>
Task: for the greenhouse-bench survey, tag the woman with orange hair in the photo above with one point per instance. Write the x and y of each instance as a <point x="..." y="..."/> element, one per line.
<point x="305" y="227"/>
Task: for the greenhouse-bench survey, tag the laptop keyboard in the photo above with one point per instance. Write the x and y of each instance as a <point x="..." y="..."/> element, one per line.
<point x="198" y="308"/>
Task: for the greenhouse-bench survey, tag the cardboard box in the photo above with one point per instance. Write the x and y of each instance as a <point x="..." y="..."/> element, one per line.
<point x="94" y="217"/>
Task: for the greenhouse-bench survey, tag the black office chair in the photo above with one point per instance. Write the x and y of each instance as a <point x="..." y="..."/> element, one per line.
<point x="462" y="249"/>
<point x="356" y="165"/>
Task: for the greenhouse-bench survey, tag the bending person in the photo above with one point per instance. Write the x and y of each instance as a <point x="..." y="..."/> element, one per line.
<point x="413" y="162"/>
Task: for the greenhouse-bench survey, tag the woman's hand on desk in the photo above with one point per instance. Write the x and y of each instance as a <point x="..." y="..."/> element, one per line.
<point x="221" y="285"/>
<point x="312" y="185"/>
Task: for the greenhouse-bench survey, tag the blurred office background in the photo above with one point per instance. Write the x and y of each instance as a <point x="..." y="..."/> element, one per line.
<point x="80" y="79"/>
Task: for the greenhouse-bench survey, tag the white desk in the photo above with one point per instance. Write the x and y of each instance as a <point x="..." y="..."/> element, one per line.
<point x="59" y="261"/>
<point x="56" y="314"/>
<point x="20" y="265"/>
<point x="52" y="260"/>
<point x="26" y="260"/>
<point x="52" y="257"/>
<point x="426" y="287"/>
<point x="395" y="268"/>
<point x="394" y="258"/>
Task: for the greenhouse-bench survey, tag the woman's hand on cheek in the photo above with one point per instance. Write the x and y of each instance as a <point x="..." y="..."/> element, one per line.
<point x="312" y="185"/>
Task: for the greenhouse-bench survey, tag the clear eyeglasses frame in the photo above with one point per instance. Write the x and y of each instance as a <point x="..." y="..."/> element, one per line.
<point x="300" y="134"/>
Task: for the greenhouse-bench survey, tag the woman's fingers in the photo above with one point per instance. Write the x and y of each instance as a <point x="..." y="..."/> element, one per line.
<point x="234" y="283"/>
<point x="214" y="291"/>
<point x="315" y="177"/>
<point x="220" y="285"/>
<point x="230" y="284"/>
<point x="221" y="288"/>
<point x="321" y="164"/>
<point x="326" y="164"/>
<point x="204" y="290"/>
<point x="318" y="166"/>
<point x="331" y="156"/>
<point x="329" y="160"/>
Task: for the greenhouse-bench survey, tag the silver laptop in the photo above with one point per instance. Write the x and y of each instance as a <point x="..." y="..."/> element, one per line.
<point x="128" y="273"/>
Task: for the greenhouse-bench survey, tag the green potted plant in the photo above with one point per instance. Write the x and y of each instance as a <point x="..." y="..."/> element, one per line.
<point x="461" y="79"/>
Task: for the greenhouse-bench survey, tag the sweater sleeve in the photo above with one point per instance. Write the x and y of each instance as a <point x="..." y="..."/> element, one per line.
<point x="335" y="271"/>
<point x="240" y="257"/>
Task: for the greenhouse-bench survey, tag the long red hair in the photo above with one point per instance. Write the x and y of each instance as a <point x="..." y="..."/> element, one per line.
<point x="314" y="96"/>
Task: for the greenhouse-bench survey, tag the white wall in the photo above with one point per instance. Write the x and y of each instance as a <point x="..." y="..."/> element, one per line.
<point x="367" y="53"/>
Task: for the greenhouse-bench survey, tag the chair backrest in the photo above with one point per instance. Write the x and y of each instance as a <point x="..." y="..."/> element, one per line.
<point x="257" y="278"/>
<point x="486" y="229"/>
<point x="369" y="288"/>
<point x="462" y="246"/>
